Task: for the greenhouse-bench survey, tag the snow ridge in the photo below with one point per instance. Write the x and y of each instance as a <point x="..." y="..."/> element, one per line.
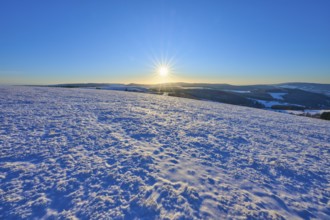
<point x="74" y="153"/>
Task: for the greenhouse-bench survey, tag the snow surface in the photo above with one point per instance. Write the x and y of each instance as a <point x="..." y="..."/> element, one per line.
<point x="97" y="154"/>
<point x="239" y="91"/>
<point x="277" y="95"/>
<point x="269" y="104"/>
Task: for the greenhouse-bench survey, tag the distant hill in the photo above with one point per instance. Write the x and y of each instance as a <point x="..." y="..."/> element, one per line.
<point x="296" y="96"/>
<point x="311" y="87"/>
<point x="284" y="96"/>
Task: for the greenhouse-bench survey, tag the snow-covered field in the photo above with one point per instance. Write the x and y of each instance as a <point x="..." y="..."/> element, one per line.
<point x="74" y="153"/>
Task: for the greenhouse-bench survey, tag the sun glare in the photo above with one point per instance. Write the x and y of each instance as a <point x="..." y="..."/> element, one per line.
<point x="162" y="68"/>
<point x="163" y="71"/>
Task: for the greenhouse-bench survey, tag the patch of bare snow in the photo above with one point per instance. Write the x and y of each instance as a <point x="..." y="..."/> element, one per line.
<point x="238" y="91"/>
<point x="277" y="95"/>
<point x="269" y="104"/>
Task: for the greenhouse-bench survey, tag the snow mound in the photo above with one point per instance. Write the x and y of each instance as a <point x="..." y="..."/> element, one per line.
<point x="74" y="153"/>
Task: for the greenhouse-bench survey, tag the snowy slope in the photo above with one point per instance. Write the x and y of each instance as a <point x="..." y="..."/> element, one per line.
<point x="73" y="153"/>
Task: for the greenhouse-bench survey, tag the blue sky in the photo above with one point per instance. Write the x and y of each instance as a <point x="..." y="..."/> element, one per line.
<point x="237" y="41"/>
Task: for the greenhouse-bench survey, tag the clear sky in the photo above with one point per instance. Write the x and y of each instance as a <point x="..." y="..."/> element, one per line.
<point x="233" y="41"/>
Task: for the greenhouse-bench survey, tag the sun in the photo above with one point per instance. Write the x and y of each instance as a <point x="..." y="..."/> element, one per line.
<point x="163" y="71"/>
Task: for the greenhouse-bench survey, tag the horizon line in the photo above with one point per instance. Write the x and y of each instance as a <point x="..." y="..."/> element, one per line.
<point x="127" y="84"/>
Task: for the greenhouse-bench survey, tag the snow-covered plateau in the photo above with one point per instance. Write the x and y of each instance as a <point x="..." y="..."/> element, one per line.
<point x="93" y="154"/>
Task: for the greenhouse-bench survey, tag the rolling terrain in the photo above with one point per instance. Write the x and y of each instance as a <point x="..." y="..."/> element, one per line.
<point x="299" y="97"/>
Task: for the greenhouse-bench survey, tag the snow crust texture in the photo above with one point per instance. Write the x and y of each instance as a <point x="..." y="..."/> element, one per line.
<point x="85" y="154"/>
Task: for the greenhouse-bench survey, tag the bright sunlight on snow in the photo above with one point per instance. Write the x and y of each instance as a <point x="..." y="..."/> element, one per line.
<point x="89" y="154"/>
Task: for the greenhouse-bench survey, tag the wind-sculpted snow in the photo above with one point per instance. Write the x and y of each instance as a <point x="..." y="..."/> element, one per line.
<point x="89" y="154"/>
